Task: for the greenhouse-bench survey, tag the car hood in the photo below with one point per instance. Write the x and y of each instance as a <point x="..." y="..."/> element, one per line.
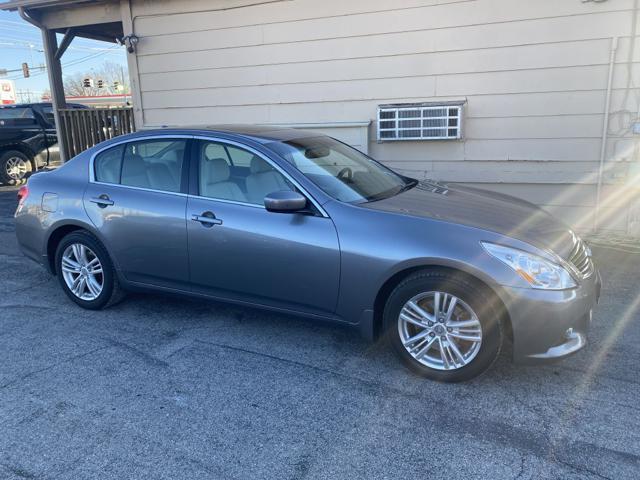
<point x="495" y="212"/>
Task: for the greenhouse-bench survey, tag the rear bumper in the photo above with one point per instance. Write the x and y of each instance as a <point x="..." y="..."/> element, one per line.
<point x="550" y="325"/>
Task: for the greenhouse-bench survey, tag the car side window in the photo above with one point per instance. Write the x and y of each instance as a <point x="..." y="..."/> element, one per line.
<point x="155" y="164"/>
<point x="17" y="116"/>
<point x="240" y="157"/>
<point x="218" y="180"/>
<point x="216" y="150"/>
<point x="108" y="164"/>
<point x="48" y="114"/>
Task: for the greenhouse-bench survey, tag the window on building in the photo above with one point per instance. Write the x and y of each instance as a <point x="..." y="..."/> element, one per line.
<point x="424" y="121"/>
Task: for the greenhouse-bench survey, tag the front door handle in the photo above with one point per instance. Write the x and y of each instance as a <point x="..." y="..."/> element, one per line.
<point x="207" y="219"/>
<point x="102" y="201"/>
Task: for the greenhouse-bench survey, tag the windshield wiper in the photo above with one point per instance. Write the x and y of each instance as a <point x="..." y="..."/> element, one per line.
<point x="393" y="191"/>
<point x="408" y="186"/>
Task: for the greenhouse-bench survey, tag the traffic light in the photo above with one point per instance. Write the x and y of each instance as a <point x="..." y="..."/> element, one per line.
<point x="25" y="70"/>
<point x="116" y="85"/>
<point x="87" y="83"/>
<point x="100" y="83"/>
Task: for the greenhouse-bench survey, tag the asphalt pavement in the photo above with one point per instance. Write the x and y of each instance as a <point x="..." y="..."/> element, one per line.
<point x="158" y="387"/>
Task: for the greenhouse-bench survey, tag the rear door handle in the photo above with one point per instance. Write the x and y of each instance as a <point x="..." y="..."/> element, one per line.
<point x="102" y="201"/>
<point x="207" y="219"/>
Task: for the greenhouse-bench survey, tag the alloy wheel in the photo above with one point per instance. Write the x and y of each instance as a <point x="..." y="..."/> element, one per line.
<point x="82" y="271"/>
<point x="16" y="168"/>
<point x="439" y="330"/>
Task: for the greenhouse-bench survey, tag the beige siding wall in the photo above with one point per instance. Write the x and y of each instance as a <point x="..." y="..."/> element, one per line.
<point x="533" y="74"/>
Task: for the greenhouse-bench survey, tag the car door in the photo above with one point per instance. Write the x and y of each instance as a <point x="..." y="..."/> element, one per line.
<point x="137" y="200"/>
<point x="240" y="251"/>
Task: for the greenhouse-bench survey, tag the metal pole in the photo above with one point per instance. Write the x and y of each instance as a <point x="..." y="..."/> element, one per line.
<point x="605" y="132"/>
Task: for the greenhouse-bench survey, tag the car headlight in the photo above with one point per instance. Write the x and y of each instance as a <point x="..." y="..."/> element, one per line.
<point x="537" y="271"/>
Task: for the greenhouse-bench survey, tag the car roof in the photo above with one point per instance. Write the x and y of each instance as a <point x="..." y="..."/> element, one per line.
<point x="258" y="133"/>
<point x="39" y="104"/>
<point x="19" y="105"/>
<point x="29" y="104"/>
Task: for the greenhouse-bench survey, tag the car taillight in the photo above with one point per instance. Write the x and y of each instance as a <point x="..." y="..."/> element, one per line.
<point x="23" y="193"/>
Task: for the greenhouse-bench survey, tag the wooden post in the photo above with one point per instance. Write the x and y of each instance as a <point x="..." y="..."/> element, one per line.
<point x="132" y="63"/>
<point x="54" y="70"/>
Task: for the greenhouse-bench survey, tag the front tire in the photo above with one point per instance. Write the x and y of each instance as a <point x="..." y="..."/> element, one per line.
<point x="85" y="271"/>
<point x="443" y="326"/>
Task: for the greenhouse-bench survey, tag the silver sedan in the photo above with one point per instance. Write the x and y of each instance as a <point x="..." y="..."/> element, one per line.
<point x="299" y="223"/>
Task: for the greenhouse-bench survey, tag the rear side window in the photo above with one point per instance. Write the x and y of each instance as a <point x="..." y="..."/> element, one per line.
<point x="154" y="164"/>
<point x="12" y="113"/>
<point x="108" y="165"/>
<point x="17" y="117"/>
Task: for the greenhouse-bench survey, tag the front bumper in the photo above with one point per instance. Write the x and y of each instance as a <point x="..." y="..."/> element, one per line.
<point x="549" y="325"/>
<point x="574" y="341"/>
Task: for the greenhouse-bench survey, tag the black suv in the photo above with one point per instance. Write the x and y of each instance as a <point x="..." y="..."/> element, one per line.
<point x="28" y="139"/>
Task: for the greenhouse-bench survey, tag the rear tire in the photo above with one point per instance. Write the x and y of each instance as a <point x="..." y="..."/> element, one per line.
<point x="86" y="272"/>
<point x="419" y="327"/>
<point x="14" y="167"/>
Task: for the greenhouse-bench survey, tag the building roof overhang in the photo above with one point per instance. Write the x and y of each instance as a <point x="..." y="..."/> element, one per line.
<point x="98" y="20"/>
<point x="33" y="4"/>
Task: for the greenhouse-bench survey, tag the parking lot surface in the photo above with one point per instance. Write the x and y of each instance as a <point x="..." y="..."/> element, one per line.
<point x="166" y="388"/>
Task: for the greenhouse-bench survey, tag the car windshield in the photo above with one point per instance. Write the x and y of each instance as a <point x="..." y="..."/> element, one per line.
<point x="341" y="171"/>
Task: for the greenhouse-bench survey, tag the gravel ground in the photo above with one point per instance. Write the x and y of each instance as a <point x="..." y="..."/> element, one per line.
<point x="167" y="388"/>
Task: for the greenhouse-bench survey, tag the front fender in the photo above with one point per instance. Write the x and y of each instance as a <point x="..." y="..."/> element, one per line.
<point x="431" y="262"/>
<point x="377" y="246"/>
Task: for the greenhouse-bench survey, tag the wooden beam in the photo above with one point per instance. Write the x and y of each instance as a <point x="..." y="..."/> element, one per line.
<point x="54" y="70"/>
<point x="78" y="15"/>
<point x="132" y="63"/>
<point x="69" y="35"/>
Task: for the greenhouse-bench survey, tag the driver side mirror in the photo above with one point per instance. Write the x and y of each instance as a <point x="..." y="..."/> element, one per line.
<point x="285" y="201"/>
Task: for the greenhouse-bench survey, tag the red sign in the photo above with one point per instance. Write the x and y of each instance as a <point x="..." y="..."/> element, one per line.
<point x="7" y="92"/>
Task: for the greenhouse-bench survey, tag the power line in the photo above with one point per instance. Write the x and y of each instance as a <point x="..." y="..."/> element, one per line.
<point x="21" y="24"/>
<point x="70" y="63"/>
<point x="19" y="30"/>
<point x="6" y="45"/>
<point x="8" y="40"/>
